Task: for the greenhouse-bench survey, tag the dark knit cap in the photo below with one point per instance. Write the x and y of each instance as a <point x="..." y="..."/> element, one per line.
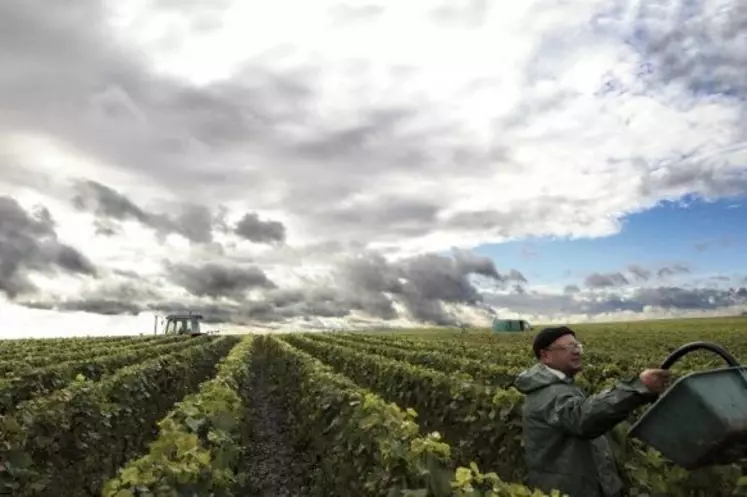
<point x="547" y="336"/>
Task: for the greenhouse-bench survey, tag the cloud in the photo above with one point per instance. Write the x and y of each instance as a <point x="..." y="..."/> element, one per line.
<point x="515" y="275"/>
<point x="280" y="305"/>
<point x="639" y="272"/>
<point x="681" y="298"/>
<point x="421" y="285"/>
<point x="636" y="273"/>
<point x="653" y="301"/>
<point x="600" y="280"/>
<point x="334" y="141"/>
<point x="218" y="280"/>
<point x="419" y="289"/>
<point x="109" y="203"/>
<point x="723" y="242"/>
<point x="194" y="222"/>
<point x="278" y="131"/>
<point x="667" y="271"/>
<point x="29" y="244"/>
<point x="253" y="229"/>
<point x="699" y="44"/>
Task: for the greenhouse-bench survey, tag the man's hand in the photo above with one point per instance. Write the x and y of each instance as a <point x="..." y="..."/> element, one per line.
<point x="655" y="379"/>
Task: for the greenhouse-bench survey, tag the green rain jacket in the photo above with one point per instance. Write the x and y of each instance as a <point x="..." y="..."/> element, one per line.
<point x="564" y="432"/>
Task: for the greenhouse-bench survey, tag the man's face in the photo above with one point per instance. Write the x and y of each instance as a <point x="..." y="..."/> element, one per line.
<point x="564" y="355"/>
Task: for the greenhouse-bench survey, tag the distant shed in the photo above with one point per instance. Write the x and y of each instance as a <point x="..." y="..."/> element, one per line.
<point x="511" y="325"/>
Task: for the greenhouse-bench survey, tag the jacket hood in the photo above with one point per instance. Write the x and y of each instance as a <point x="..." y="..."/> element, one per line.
<point x="535" y="378"/>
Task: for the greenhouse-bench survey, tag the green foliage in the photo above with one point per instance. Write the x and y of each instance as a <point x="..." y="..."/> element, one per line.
<point x="25" y="361"/>
<point x="479" y="421"/>
<point x="413" y="414"/>
<point x="26" y="384"/>
<point x="13" y="349"/>
<point x="469" y="482"/>
<point x="200" y="442"/>
<point x="69" y="442"/>
<point x="363" y="445"/>
<point x="447" y="379"/>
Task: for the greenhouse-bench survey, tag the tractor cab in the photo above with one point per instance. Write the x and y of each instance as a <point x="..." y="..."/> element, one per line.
<point x="183" y="324"/>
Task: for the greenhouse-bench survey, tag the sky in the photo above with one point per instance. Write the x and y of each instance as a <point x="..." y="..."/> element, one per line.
<point x="303" y="165"/>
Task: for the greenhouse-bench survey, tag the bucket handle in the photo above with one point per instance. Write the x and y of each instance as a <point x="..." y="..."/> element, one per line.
<point x="689" y="347"/>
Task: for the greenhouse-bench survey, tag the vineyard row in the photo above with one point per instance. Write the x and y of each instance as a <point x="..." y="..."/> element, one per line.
<point x="367" y="415"/>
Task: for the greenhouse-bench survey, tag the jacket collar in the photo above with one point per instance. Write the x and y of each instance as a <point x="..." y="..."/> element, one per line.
<point x="557" y="373"/>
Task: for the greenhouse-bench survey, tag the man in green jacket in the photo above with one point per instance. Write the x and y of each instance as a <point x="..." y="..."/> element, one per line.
<point x="564" y="429"/>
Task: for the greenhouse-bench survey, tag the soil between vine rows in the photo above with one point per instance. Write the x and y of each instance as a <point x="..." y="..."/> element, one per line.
<point x="276" y="468"/>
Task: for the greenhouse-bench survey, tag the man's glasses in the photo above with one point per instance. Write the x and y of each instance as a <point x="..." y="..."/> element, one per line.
<point x="574" y="346"/>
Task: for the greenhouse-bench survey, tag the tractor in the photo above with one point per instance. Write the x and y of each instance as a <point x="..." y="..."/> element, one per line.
<point x="181" y="323"/>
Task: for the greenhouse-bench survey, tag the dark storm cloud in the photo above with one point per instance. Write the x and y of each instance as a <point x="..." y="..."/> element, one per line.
<point x="108" y="203"/>
<point x="251" y="228"/>
<point x="673" y="270"/>
<point x="640" y="273"/>
<point x="368" y="283"/>
<point x="194" y="222"/>
<point x="422" y="283"/>
<point x="571" y="289"/>
<point x="430" y="277"/>
<point x="289" y="303"/>
<point x="28" y="243"/>
<point x="129" y="296"/>
<point x="515" y="275"/>
<point x="467" y="262"/>
<point x="517" y="288"/>
<point x="374" y="286"/>
<point x="218" y="280"/>
<point x="101" y="306"/>
<point x="605" y="280"/>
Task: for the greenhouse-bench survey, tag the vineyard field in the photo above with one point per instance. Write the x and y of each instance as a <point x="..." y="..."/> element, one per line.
<point x="412" y="413"/>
